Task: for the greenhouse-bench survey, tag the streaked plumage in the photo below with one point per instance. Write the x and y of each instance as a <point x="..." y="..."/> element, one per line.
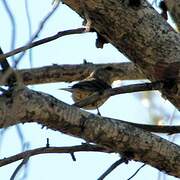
<point x="98" y="81"/>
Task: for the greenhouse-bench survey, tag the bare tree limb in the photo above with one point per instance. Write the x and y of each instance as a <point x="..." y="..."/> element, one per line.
<point x="44" y="150"/>
<point x="29" y="106"/>
<point x="28" y="17"/>
<point x="136" y="171"/>
<point x="42" y="41"/>
<point x="119" y="90"/>
<point x="142" y="35"/>
<point x="75" y="72"/>
<point x="36" y="34"/>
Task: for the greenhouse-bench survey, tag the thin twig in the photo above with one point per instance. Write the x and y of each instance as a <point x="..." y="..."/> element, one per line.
<point x="19" y="167"/>
<point x="111" y="168"/>
<point x="29" y="29"/>
<point x="136" y="172"/>
<point x="44" y="150"/>
<point x="129" y="89"/>
<point x="73" y="156"/>
<point x="13" y="24"/>
<point x="42" y="41"/>
<point x="36" y="34"/>
<point x="158" y="128"/>
<point x="21" y="137"/>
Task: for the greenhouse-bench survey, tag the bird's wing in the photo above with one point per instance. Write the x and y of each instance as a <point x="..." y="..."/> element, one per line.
<point x="91" y="85"/>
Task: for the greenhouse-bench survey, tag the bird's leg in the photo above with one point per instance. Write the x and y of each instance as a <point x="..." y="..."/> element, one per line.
<point x="98" y="112"/>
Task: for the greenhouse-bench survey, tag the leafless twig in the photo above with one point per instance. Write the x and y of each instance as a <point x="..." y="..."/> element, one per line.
<point x="44" y="150"/>
<point x="42" y="41"/>
<point x="119" y="90"/>
<point x="73" y="156"/>
<point x="41" y="25"/>
<point x="157" y="128"/>
<point x="129" y="89"/>
<point x="74" y="72"/>
<point x="13" y="23"/>
<point x="136" y="172"/>
<point x="19" y="167"/>
<point x="112" y="167"/>
<point x="29" y="29"/>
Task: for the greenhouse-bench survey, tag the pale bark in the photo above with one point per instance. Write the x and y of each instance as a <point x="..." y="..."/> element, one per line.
<point x="75" y="72"/>
<point x="141" y="34"/>
<point x="29" y="106"/>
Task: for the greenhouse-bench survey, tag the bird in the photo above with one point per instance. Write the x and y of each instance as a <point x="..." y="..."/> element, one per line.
<point x="98" y="81"/>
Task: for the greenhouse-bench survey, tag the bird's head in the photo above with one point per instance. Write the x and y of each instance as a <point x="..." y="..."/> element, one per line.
<point x="105" y="74"/>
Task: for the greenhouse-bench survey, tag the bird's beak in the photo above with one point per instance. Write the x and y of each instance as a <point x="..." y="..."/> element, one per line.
<point x="66" y="89"/>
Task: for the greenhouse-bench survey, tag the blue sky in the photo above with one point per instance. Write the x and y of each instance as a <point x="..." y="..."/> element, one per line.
<point x="66" y="50"/>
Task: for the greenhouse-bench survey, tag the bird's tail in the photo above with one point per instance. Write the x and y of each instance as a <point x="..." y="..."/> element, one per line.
<point x="66" y="89"/>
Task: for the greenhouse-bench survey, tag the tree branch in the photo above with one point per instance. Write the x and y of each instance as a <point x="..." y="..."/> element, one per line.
<point x="112" y="167"/>
<point x="136" y="171"/>
<point x="75" y="72"/>
<point x="45" y="150"/>
<point x="119" y="90"/>
<point x="142" y="35"/>
<point x="25" y="160"/>
<point x="42" y="41"/>
<point x="29" y="106"/>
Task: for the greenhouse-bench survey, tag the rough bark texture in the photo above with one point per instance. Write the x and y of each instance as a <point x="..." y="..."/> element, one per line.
<point x="29" y="106"/>
<point x="69" y="73"/>
<point x="141" y="34"/>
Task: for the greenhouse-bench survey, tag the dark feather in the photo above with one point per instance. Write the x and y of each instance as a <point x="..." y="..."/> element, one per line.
<point x="92" y="85"/>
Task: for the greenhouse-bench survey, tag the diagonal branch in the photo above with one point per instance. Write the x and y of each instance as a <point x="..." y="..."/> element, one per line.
<point x="136" y="172"/>
<point x="36" y="34"/>
<point x="42" y="41"/>
<point x="29" y="106"/>
<point x="142" y="35"/>
<point x="119" y="90"/>
<point x="24" y="161"/>
<point x="112" y="167"/>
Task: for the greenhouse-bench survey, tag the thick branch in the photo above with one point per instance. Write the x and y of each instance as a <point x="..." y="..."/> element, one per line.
<point x="75" y="72"/>
<point x="141" y="34"/>
<point x="29" y="106"/>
